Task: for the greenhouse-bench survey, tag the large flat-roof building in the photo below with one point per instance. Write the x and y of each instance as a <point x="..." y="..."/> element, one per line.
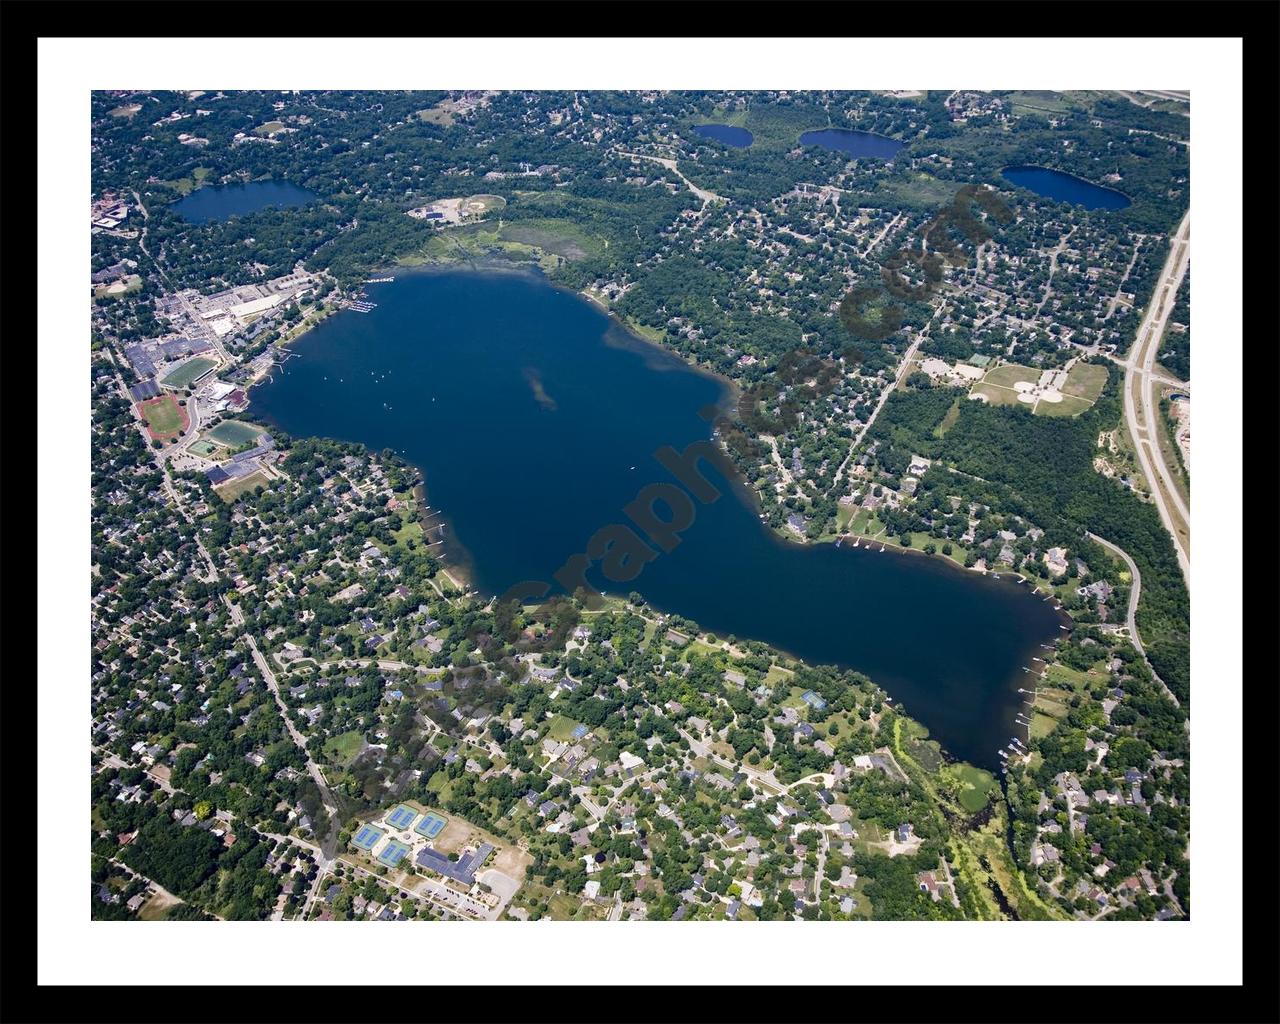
<point x="461" y="870"/>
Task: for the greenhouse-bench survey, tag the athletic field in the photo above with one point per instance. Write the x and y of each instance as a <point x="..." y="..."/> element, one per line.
<point x="392" y="853"/>
<point x="165" y="418"/>
<point x="203" y="448"/>
<point x="401" y="817"/>
<point x="233" y="433"/>
<point x="189" y="372"/>
<point x="431" y="825"/>
<point x="366" y="838"/>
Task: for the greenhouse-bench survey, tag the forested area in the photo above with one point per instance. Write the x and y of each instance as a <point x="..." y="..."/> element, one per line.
<point x="1047" y="464"/>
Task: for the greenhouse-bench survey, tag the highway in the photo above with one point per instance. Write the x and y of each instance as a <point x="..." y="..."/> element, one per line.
<point x="1141" y="410"/>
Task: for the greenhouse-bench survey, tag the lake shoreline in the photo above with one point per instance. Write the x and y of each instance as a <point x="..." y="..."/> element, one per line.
<point x="523" y="487"/>
<point x="1084" y="186"/>
<point x="456" y="554"/>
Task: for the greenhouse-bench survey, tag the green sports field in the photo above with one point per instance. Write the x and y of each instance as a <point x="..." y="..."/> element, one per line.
<point x="1067" y="407"/>
<point x="1007" y="375"/>
<point x="232" y="489"/>
<point x="203" y="448"/>
<point x="188" y="372"/>
<point x="996" y="395"/>
<point x="1085" y="381"/>
<point x="165" y="418"/>
<point x="233" y="433"/>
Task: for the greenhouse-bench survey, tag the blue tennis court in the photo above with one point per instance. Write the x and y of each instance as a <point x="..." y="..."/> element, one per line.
<point x="431" y="825"/>
<point x="367" y="837"/>
<point x="402" y="816"/>
<point x="393" y="853"/>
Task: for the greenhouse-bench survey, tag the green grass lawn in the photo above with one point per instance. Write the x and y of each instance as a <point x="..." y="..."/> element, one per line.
<point x="865" y="523"/>
<point x="233" y="489"/>
<point x="483" y="203"/>
<point x="793" y="699"/>
<point x="997" y="395"/>
<point x="1086" y="380"/>
<point x="1041" y="102"/>
<point x="203" y="448"/>
<point x="1050" y="708"/>
<point x="128" y="285"/>
<point x="343" y="747"/>
<point x="165" y="418"/>
<point x="1068" y="678"/>
<point x="411" y="530"/>
<point x="268" y="128"/>
<point x="234" y="433"/>
<point x="561" y="728"/>
<point x="189" y="372"/>
<point x="185" y="186"/>
<point x="1067" y="407"/>
<point x="1008" y="374"/>
<point x="441" y="114"/>
<point x="654" y="334"/>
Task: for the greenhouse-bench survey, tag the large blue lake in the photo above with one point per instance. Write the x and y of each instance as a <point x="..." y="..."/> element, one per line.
<point x="738" y="138"/>
<point x="217" y="202"/>
<point x="857" y="144"/>
<point x="1066" y="188"/>
<point x="535" y="419"/>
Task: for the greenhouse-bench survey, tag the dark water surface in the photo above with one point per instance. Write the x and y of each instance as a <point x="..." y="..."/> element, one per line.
<point x="535" y="419"/>
<point x="857" y="144"/>
<point x="739" y="138"/>
<point x="1066" y="188"/>
<point x="217" y="202"/>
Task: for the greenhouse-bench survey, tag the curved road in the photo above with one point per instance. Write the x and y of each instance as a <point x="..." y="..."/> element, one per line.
<point x="671" y="165"/>
<point x="1135" y="592"/>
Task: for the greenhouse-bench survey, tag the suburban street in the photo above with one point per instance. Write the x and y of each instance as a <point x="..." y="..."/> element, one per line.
<point x="330" y="804"/>
<point x="766" y="779"/>
<point x="884" y="397"/>
<point x="1142" y="411"/>
<point x="670" y="165"/>
<point x="1135" y="591"/>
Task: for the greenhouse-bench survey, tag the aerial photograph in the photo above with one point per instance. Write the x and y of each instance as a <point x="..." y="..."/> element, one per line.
<point x="638" y="505"/>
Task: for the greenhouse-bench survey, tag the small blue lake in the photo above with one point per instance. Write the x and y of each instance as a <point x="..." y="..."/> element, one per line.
<point x="1065" y="188"/>
<point x="857" y="144"/>
<point x="738" y="138"/>
<point x="222" y="201"/>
